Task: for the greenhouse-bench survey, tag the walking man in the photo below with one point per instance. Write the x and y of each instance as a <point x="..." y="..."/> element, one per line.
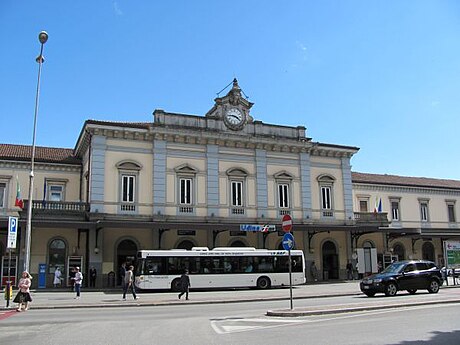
<point x="129" y="282"/>
<point x="184" y="284"/>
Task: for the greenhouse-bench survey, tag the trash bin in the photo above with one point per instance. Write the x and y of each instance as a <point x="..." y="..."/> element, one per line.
<point x="325" y="275"/>
<point x="111" y="279"/>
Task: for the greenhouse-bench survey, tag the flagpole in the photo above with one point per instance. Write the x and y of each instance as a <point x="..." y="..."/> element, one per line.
<point x="42" y="37"/>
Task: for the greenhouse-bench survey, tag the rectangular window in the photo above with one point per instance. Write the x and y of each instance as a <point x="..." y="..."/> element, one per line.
<point x="451" y="213"/>
<point x="56" y="193"/>
<point x="424" y="211"/>
<point x="127" y="187"/>
<point x="185" y="191"/>
<point x="2" y="194"/>
<point x="237" y="193"/>
<point x="326" y="198"/>
<point x="395" y="210"/>
<point x="283" y="195"/>
<point x="363" y="206"/>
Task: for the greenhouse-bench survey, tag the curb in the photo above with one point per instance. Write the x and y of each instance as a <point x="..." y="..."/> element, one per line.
<point x="298" y="313"/>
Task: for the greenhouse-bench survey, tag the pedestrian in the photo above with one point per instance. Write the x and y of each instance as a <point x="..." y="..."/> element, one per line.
<point x="57" y="277"/>
<point x="121" y="275"/>
<point x="129" y="283"/>
<point x="349" y="271"/>
<point x="77" y="281"/>
<point x="184" y="284"/>
<point x="72" y="278"/>
<point x="92" y="277"/>
<point x="23" y="296"/>
<point x="314" y="271"/>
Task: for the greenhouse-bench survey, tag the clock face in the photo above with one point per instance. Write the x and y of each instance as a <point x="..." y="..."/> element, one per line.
<point x="234" y="117"/>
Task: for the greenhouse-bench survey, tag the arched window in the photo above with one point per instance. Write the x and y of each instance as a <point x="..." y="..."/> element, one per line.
<point x="56" y="255"/>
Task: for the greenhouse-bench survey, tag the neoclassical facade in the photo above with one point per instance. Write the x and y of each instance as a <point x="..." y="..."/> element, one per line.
<point x="183" y="181"/>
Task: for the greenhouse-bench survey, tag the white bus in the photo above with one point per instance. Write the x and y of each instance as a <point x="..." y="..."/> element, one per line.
<point x="218" y="268"/>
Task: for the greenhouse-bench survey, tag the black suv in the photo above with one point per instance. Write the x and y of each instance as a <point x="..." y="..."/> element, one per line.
<point x="409" y="275"/>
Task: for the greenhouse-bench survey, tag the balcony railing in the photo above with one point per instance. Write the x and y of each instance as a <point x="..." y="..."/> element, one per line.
<point x="58" y="206"/>
<point x="371" y="218"/>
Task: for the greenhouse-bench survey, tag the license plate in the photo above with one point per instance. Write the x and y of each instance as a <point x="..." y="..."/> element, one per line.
<point x="365" y="287"/>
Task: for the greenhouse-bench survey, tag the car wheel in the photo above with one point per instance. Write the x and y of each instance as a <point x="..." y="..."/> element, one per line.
<point x="370" y="294"/>
<point x="175" y="285"/>
<point x="434" y="287"/>
<point x="391" y="289"/>
<point x="412" y="291"/>
<point x="263" y="283"/>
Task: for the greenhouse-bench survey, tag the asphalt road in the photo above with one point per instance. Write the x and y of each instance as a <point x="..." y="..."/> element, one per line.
<point x="232" y="323"/>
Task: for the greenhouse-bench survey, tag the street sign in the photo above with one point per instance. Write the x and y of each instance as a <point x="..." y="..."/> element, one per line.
<point x="257" y="227"/>
<point x="12" y="232"/>
<point x="287" y="223"/>
<point x="288" y="241"/>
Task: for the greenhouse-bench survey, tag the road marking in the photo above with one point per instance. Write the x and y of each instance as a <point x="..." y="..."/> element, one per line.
<point x="234" y="325"/>
<point x="237" y="325"/>
<point x="7" y="314"/>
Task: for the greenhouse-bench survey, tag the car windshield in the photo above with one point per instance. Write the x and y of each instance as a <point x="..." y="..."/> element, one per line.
<point x="395" y="267"/>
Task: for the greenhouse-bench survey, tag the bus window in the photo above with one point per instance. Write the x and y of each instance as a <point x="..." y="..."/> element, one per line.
<point x="266" y="265"/>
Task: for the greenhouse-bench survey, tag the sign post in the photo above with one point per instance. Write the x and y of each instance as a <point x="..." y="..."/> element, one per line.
<point x="12" y="236"/>
<point x="288" y="244"/>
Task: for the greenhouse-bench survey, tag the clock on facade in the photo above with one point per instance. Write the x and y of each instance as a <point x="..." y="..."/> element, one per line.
<point x="234" y="118"/>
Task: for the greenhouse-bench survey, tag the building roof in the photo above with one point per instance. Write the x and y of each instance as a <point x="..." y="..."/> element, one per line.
<point x="42" y="154"/>
<point x="385" y="179"/>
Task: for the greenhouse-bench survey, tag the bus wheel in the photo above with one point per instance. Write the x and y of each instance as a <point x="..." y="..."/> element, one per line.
<point x="263" y="283"/>
<point x="175" y="285"/>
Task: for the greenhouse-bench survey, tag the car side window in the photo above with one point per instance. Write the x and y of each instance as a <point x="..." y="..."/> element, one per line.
<point x="421" y="266"/>
<point x="409" y="268"/>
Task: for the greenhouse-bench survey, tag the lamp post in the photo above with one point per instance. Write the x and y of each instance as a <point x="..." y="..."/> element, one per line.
<point x="42" y="37"/>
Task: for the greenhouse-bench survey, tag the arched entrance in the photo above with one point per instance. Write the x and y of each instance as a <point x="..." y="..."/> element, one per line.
<point x="237" y="243"/>
<point x="330" y="261"/>
<point x="126" y="253"/>
<point x="399" y="250"/>
<point x="428" y="251"/>
<point x="185" y="244"/>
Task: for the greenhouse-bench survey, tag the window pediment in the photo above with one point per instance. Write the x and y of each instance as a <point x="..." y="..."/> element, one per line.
<point x="325" y="178"/>
<point x="283" y="175"/>
<point x="185" y="169"/>
<point x="129" y="165"/>
<point x="237" y="172"/>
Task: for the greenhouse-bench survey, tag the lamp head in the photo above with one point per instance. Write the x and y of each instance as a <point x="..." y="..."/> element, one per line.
<point x="43" y="37"/>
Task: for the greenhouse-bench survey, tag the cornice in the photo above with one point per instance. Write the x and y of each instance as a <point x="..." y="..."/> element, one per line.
<point x="404" y="189"/>
<point x="230" y="140"/>
<point x="38" y="166"/>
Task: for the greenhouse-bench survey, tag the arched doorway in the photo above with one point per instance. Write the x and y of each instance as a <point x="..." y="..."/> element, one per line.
<point x="185" y="244"/>
<point x="238" y="243"/>
<point x="399" y="250"/>
<point x="330" y="261"/>
<point x="126" y="253"/>
<point x="428" y="251"/>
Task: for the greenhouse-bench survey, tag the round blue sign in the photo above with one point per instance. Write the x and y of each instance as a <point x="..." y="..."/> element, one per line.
<point x="288" y="241"/>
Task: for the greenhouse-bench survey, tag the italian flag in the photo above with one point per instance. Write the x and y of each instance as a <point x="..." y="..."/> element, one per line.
<point x="19" y="202"/>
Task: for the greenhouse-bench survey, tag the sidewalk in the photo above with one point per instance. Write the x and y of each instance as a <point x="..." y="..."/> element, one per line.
<point x="63" y="298"/>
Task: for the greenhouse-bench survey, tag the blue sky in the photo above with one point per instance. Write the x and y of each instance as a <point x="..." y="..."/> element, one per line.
<point x="380" y="75"/>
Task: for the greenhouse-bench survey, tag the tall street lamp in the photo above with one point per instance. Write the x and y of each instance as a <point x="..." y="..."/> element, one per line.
<point x="42" y="37"/>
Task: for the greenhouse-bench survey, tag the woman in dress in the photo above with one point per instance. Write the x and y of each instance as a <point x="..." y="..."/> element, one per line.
<point x="23" y="297"/>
